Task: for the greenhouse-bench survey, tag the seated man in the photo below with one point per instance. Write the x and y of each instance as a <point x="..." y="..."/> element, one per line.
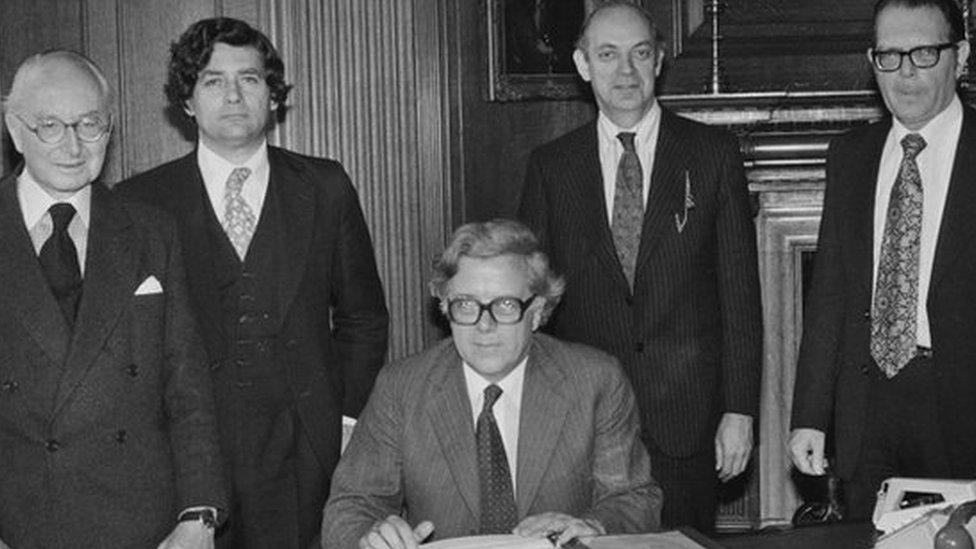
<point x="431" y="453"/>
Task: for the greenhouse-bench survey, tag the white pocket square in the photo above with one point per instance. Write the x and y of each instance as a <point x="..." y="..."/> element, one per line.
<point x="149" y="286"/>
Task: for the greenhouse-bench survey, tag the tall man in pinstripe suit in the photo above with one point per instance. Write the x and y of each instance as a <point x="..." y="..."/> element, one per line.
<point x="648" y="217"/>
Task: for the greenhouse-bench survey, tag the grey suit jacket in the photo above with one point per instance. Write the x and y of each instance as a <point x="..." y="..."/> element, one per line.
<point x="107" y="432"/>
<point x="413" y="450"/>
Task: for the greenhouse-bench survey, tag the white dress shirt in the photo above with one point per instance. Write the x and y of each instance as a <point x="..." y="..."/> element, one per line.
<point x="645" y="143"/>
<point x="935" y="163"/>
<point x="507" y="408"/>
<point x="34" y="204"/>
<point x="215" y="171"/>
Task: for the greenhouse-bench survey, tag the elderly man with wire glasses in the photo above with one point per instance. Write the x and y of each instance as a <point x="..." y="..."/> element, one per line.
<point x="107" y="430"/>
<point x="888" y="356"/>
<point x="498" y="429"/>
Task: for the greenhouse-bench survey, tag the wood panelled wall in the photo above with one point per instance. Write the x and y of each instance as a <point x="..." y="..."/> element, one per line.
<point x="372" y="89"/>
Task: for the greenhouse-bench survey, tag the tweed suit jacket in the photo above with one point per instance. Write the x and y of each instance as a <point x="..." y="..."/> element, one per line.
<point x="413" y="450"/>
<point x="689" y="333"/>
<point x="332" y="309"/>
<point x="106" y="433"/>
<point x="835" y="361"/>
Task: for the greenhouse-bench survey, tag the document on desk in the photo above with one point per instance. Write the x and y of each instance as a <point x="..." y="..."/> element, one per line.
<point x="663" y="540"/>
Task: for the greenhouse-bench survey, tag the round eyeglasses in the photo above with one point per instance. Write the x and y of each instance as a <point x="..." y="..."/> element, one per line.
<point x="467" y="311"/>
<point x="922" y="57"/>
<point x="51" y="130"/>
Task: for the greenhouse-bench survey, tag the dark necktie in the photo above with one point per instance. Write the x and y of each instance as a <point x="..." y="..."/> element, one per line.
<point x="59" y="261"/>
<point x="893" y="322"/>
<point x="498" y="512"/>
<point x="628" y="207"/>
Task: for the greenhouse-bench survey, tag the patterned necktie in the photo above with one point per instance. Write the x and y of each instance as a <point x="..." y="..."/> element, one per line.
<point x="893" y="321"/>
<point x="498" y="512"/>
<point x="239" y="220"/>
<point x="59" y="261"/>
<point x="628" y="207"/>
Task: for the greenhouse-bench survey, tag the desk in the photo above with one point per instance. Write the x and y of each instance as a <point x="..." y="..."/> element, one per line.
<point x="833" y="536"/>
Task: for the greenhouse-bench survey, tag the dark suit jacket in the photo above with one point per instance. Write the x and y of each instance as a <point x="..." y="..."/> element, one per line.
<point x="690" y="334"/>
<point x="835" y="359"/>
<point x="333" y="315"/>
<point x="414" y="447"/>
<point x="106" y="434"/>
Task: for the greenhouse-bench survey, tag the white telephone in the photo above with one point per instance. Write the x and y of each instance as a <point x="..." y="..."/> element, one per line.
<point x="910" y="511"/>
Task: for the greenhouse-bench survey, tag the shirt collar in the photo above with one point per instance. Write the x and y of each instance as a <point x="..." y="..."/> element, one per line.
<point x="935" y="130"/>
<point x="644" y="128"/>
<point x="35" y="201"/>
<point x="511" y="384"/>
<point x="216" y="169"/>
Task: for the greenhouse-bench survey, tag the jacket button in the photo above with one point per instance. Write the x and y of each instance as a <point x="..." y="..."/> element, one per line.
<point x="865" y="369"/>
<point x="629" y="300"/>
<point x="52" y="445"/>
<point x="120" y="436"/>
<point x="867" y="315"/>
<point x="639" y="347"/>
<point x="10" y="386"/>
<point x="291" y="343"/>
<point x="132" y="370"/>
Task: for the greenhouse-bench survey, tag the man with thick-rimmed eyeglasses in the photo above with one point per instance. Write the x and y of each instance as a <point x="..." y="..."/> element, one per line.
<point x="888" y="356"/>
<point x="107" y="424"/>
<point x="498" y="429"/>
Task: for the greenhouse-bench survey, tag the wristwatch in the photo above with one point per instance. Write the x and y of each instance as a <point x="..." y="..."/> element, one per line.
<point x="208" y="516"/>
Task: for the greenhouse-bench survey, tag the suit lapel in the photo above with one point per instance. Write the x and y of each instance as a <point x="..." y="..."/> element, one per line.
<point x="544" y="410"/>
<point x="585" y="179"/>
<point x="196" y="218"/>
<point x="450" y="414"/>
<point x="958" y="228"/>
<point x="295" y="194"/>
<point x="667" y="186"/>
<point x="110" y="272"/>
<point x="25" y="290"/>
<point x="862" y="178"/>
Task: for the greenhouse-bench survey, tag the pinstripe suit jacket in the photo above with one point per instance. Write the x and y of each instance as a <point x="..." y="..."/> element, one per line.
<point x="413" y="449"/>
<point x="689" y="334"/>
<point x="832" y="385"/>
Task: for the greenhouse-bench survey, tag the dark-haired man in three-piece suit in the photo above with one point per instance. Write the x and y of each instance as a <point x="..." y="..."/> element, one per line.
<point x="282" y="276"/>
<point x="647" y="215"/>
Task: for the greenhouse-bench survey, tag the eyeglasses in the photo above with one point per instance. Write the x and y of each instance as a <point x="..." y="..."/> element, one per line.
<point x="503" y="310"/>
<point x="51" y="130"/>
<point x="922" y="57"/>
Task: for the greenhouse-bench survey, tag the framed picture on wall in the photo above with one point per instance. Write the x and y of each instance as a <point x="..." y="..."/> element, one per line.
<point x="530" y="44"/>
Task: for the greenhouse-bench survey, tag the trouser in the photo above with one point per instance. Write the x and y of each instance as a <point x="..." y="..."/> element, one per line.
<point x="902" y="435"/>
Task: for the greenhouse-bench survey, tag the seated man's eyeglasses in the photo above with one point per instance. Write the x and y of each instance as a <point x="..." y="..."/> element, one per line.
<point x="51" y="130"/>
<point x="923" y="57"/>
<point x="467" y="311"/>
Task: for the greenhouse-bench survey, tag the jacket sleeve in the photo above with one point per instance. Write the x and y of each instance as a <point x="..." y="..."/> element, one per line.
<point x="738" y="286"/>
<point x="626" y="499"/>
<point x="367" y="483"/>
<point x="359" y="316"/>
<point x="189" y="396"/>
<point x="823" y="319"/>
